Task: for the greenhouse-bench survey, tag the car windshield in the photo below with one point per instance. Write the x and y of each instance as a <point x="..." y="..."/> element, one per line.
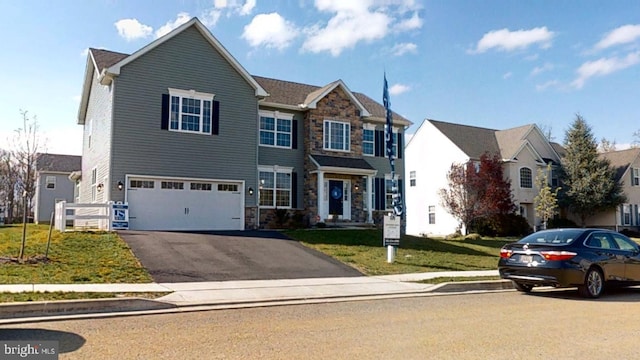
<point x="552" y="237"/>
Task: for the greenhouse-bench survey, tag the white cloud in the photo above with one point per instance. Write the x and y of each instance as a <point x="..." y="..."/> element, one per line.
<point x="270" y="30"/>
<point x="132" y="29"/>
<point x="604" y="66"/>
<point x="415" y="22"/>
<point x="404" y="48"/>
<point x="621" y="35"/>
<point x="353" y="22"/>
<point x="507" y="75"/>
<point x="398" y="89"/>
<point x="540" y="69"/>
<point x="247" y="8"/>
<point x="220" y="4"/>
<point x="181" y="18"/>
<point x="507" y="40"/>
<point x="210" y="18"/>
<point x="548" y="84"/>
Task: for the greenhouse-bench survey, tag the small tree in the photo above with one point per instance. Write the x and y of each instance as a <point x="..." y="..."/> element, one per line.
<point x="589" y="184"/>
<point x="460" y="198"/>
<point x="606" y="145"/>
<point x="636" y="141"/>
<point x="546" y="202"/>
<point x="8" y="184"/>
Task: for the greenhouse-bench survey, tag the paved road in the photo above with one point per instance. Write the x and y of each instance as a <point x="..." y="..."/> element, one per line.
<point x="508" y="325"/>
<point x="240" y="255"/>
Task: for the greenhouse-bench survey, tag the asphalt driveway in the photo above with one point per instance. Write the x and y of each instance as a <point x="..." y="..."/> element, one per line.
<point x="233" y="255"/>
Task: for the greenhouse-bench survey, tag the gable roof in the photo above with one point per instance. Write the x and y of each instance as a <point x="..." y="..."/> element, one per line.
<point x="622" y="160"/>
<point x="510" y="141"/>
<point x="58" y="163"/>
<point x="296" y="96"/>
<point x="107" y="64"/>
<point x="473" y="141"/>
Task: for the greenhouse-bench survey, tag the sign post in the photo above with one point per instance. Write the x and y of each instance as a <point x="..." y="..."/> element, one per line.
<point x="391" y="235"/>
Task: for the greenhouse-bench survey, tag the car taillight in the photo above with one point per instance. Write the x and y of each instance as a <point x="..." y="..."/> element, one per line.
<point x="505" y="253"/>
<point x="557" y="255"/>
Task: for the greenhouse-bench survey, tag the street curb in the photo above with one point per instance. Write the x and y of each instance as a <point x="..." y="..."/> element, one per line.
<point x="483" y="285"/>
<point x="73" y="307"/>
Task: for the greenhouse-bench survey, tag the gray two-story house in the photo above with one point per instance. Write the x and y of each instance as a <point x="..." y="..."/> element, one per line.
<point x="191" y="141"/>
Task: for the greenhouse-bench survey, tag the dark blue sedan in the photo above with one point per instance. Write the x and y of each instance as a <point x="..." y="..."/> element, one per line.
<point x="586" y="258"/>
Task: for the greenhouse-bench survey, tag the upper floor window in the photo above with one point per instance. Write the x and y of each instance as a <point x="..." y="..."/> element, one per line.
<point x="526" y="180"/>
<point x="412" y="178"/>
<point x="190" y="111"/>
<point x="368" y="141"/>
<point x="51" y="182"/>
<point x="275" y="129"/>
<point x="337" y="135"/>
<point x="626" y="214"/>
<point x="635" y="177"/>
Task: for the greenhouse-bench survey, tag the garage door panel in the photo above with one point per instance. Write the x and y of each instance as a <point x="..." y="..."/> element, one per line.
<point x="206" y="208"/>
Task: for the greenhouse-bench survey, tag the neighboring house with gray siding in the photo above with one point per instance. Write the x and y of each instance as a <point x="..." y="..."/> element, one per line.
<point x="53" y="183"/>
<point x="191" y="141"/>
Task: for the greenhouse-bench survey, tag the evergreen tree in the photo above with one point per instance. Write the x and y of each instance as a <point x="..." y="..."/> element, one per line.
<point x="588" y="181"/>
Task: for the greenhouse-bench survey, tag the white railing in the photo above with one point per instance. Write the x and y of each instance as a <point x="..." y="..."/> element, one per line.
<point x="105" y="216"/>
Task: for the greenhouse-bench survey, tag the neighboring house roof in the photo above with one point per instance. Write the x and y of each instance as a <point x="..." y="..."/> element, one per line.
<point x="293" y="95"/>
<point x="58" y="163"/>
<point x="510" y="140"/>
<point x="622" y="160"/>
<point x="559" y="149"/>
<point x="108" y="63"/>
<point x="342" y="162"/>
<point x="473" y="141"/>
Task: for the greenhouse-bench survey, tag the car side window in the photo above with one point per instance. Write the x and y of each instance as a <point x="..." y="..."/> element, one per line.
<point x="600" y="240"/>
<point x="624" y="243"/>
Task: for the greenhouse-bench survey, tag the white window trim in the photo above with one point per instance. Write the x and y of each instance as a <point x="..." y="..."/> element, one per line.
<point x="48" y="180"/>
<point x="429" y="212"/>
<point x="413" y="178"/>
<point x="276" y="115"/>
<point x="191" y="94"/>
<point x="370" y="127"/>
<point x="636" y="176"/>
<point x="94" y="184"/>
<point x="324" y="142"/>
<point x="626" y="210"/>
<point x="520" y="177"/>
<point x="275" y="169"/>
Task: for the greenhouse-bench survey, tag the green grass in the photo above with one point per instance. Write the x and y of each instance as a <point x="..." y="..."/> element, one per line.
<point x="363" y="250"/>
<point x="74" y="257"/>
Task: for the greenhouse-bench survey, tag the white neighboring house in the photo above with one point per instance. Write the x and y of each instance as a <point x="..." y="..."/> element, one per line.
<point x="436" y="145"/>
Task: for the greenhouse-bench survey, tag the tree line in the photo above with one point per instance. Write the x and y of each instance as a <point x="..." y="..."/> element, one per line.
<point x="480" y="197"/>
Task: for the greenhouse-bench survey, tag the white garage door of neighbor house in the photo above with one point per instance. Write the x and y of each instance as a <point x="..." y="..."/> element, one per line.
<point x="157" y="204"/>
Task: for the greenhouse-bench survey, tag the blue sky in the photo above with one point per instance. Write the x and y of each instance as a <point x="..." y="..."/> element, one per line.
<point x="495" y="64"/>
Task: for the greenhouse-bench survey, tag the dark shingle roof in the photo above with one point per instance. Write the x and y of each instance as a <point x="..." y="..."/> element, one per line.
<point x="342" y="162"/>
<point x="293" y="94"/>
<point x="474" y="141"/>
<point x="621" y="160"/>
<point x="106" y="58"/>
<point x="58" y="163"/>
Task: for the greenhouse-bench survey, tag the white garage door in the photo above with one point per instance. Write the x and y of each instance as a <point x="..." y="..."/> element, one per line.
<point x="170" y="204"/>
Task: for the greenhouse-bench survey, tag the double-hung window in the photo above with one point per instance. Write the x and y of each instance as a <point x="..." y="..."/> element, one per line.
<point x="388" y="188"/>
<point x="275" y="187"/>
<point x="432" y="214"/>
<point x="337" y="135"/>
<point x="94" y="185"/>
<point x="368" y="140"/>
<point x="412" y="178"/>
<point x="51" y="182"/>
<point x="626" y="214"/>
<point x="276" y="129"/>
<point x="190" y="111"/>
<point x="635" y="180"/>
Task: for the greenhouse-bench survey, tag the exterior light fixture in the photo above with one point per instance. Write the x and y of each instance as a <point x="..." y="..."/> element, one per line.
<point x="357" y="187"/>
<point x="120" y="185"/>
<point x="100" y="186"/>
<point x="250" y="191"/>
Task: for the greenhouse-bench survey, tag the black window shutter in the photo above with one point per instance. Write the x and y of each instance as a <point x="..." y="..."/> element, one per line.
<point x="379" y="190"/>
<point x="164" y="123"/>
<point x="294" y="190"/>
<point x="621" y="214"/>
<point x="215" y="118"/>
<point x="400" y="146"/>
<point x="379" y="143"/>
<point x="632" y="177"/>
<point x="294" y="134"/>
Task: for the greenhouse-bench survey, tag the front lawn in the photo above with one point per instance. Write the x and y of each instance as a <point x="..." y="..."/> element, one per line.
<point x="363" y="250"/>
<point x="74" y="257"/>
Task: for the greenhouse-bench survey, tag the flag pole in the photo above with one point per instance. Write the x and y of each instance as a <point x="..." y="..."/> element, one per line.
<point x="397" y="202"/>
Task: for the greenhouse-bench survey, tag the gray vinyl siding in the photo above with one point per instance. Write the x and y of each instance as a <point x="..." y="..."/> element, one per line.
<point x="96" y="154"/>
<point x="45" y="198"/>
<point x="141" y="147"/>
<point x="269" y="156"/>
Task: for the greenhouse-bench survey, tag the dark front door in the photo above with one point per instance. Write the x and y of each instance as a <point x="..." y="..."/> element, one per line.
<point x="335" y="197"/>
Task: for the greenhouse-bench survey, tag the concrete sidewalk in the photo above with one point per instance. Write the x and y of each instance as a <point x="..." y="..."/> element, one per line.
<point x="221" y="294"/>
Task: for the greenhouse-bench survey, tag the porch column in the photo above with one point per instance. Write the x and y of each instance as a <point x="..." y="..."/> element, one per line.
<point x="369" y="199"/>
<point x="320" y="193"/>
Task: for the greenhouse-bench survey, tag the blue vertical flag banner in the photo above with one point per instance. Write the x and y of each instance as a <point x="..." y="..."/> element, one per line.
<point x="388" y="131"/>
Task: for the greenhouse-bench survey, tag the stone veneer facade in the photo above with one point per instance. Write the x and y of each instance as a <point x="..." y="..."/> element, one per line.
<point x="334" y="106"/>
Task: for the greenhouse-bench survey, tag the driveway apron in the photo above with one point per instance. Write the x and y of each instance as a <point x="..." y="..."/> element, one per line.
<point x="233" y="255"/>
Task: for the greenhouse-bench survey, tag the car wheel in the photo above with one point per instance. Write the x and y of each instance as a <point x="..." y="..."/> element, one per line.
<point x="522" y="287"/>
<point x="593" y="284"/>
